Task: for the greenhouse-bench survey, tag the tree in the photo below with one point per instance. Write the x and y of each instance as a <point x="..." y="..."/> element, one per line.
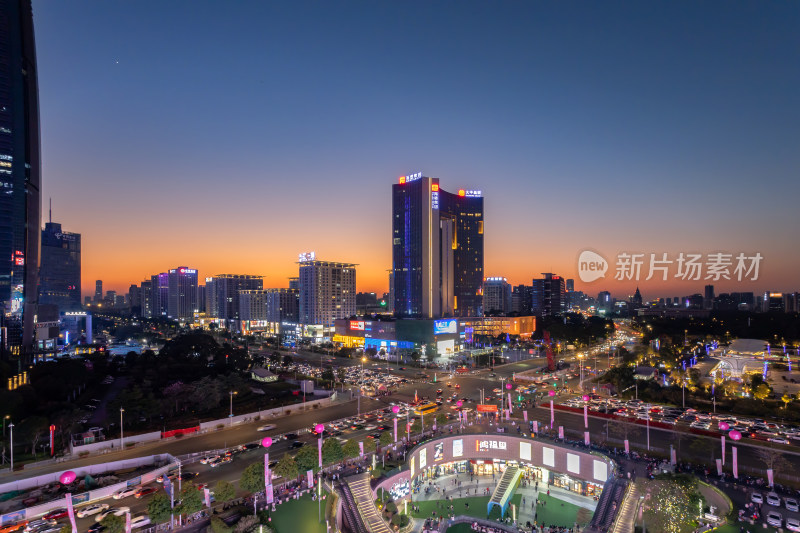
<point x="761" y="392"/>
<point x="332" y="451"/>
<point x="218" y="526"/>
<point x="113" y="523"/>
<point x="246" y="524"/>
<point x="774" y="459"/>
<point x="386" y="438"/>
<point x="786" y="399"/>
<point x="191" y="499"/>
<point x="351" y="449"/>
<point x="287" y="467"/>
<point x="307" y="458"/>
<point x="224" y="491"/>
<point x="158" y="508"/>
<point x="252" y="479"/>
<point x="441" y="419"/>
<point x="370" y="445"/>
<point x="287" y="360"/>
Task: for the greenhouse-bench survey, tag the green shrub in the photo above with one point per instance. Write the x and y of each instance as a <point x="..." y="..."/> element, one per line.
<point x="218" y="526"/>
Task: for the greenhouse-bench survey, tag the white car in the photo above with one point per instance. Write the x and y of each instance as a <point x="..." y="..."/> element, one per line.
<point x="89" y="510"/>
<point x="793" y="524"/>
<point x="267" y="427"/>
<point x="206" y="460"/>
<point x="791" y="505"/>
<point x="124" y="493"/>
<point x="756" y="497"/>
<point x="39" y="525"/>
<point x="140" y="521"/>
<point x="117" y="511"/>
<point x="773" y="499"/>
<point x="774" y="519"/>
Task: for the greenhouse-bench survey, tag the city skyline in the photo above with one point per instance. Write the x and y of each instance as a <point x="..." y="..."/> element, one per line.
<point x="679" y="143"/>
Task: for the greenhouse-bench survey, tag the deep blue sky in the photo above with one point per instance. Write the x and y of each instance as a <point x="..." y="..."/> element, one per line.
<point x="230" y="136"/>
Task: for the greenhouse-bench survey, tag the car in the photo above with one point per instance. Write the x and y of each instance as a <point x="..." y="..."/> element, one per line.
<point x="215" y="462"/>
<point x="793" y="524"/>
<point x="10" y="528"/>
<point x="791" y="504"/>
<point x="774" y="519"/>
<point x="38" y="525"/>
<point x="90" y="510"/>
<point x="140" y="521"/>
<point x="97" y="527"/>
<point x="116" y="511"/>
<point x="188" y="475"/>
<point x="208" y="459"/>
<point x="756" y="497"/>
<point x="144" y="491"/>
<point x="124" y="493"/>
<point x="267" y="427"/>
<point x="296" y="444"/>
<point x="773" y="499"/>
<point x="439" y="391"/>
<point x="291" y="436"/>
<point x="55" y="514"/>
<point x="172" y="477"/>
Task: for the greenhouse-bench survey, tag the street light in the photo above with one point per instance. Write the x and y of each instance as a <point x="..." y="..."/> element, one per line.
<point x="11" y="448"/>
<point x="121" y="446"/>
<point x="361" y="383"/>
<point x="230" y="416"/>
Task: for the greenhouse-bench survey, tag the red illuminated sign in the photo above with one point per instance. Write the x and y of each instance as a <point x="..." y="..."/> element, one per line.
<point x="462" y="192"/>
<point x="402" y="180"/>
<point x="435" y="187"/>
<point x="486" y="408"/>
<point x="357" y="325"/>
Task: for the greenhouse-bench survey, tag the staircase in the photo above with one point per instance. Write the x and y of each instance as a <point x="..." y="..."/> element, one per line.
<point x="626" y="517"/>
<point x="351" y="521"/>
<point x="365" y="504"/>
<point x="609" y="506"/>
<point x="504" y="489"/>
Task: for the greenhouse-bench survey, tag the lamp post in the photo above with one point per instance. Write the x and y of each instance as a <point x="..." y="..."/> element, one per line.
<point x="121" y="436"/>
<point x="361" y="383"/>
<point x="11" y="447"/>
<point x="231" y="394"/>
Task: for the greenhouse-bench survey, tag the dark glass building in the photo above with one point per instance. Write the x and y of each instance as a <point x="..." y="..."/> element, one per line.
<point x="437" y="249"/>
<point x="60" y="272"/>
<point x="20" y="174"/>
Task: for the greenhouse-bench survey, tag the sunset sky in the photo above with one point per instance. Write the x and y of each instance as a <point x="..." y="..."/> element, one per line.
<point x="230" y="137"/>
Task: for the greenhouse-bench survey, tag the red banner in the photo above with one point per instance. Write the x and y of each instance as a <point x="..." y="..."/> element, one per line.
<point x="486" y="408"/>
<point x="174" y="432"/>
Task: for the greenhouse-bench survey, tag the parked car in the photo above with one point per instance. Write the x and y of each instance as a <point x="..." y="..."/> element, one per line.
<point x="92" y="509"/>
<point x="793" y="524"/>
<point x="773" y="499"/>
<point x="791" y="504"/>
<point x="144" y="491"/>
<point x="756" y="497"/>
<point x="124" y="493"/>
<point x="774" y="519"/>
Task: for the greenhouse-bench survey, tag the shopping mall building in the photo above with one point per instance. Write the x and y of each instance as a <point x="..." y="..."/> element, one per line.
<point x="579" y="471"/>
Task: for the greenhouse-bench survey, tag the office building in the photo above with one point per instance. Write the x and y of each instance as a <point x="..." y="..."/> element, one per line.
<point x="497" y="296"/>
<point x="570" y="285"/>
<point x="60" y="271"/>
<point x="98" y="291"/>
<point x="146" y="299"/>
<point x="159" y="292"/>
<point x="521" y="300"/>
<point x="20" y="177"/>
<point x="222" y="301"/>
<point x="437" y="249"/>
<point x="182" y="293"/>
<point x="548" y="295"/>
<point x="327" y="291"/>
<point x="708" y="299"/>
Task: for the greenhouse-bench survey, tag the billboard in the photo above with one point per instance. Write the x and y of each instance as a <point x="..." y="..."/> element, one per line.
<point x="446" y="325"/>
<point x="487" y="408"/>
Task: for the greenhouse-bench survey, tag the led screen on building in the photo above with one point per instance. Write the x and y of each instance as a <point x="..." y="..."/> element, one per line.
<point x="447" y="325"/>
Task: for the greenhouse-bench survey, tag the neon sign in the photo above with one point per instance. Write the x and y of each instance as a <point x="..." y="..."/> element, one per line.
<point x="486" y="445"/>
<point x="471" y="193"/>
<point x="410" y="178"/>
<point x="308" y="256"/>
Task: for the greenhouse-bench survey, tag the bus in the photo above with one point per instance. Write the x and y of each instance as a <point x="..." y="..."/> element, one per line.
<point x="426" y="408"/>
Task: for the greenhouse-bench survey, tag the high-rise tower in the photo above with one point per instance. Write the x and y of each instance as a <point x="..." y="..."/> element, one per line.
<point x="20" y="174"/>
<point x="437" y="249"/>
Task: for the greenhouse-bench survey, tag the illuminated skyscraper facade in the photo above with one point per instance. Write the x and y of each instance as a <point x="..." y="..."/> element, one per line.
<point x="437" y="249"/>
<point x="60" y="273"/>
<point x="327" y="291"/>
<point x="20" y="174"/>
